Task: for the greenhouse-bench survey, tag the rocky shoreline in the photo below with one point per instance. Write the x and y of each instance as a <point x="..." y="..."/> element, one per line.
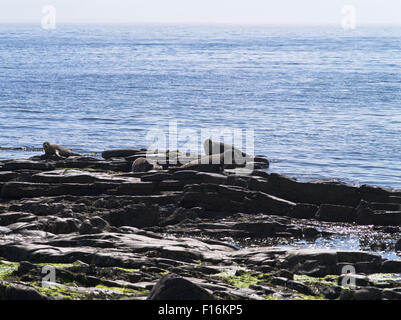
<point x="110" y="233"/>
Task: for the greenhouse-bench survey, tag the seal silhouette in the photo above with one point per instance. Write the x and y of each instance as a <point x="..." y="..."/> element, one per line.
<point x="54" y="149"/>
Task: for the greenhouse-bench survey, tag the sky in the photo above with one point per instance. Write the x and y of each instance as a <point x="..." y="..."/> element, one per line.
<point x="300" y="12"/>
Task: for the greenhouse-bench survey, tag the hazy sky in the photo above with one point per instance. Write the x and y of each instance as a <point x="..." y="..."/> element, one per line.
<point x="203" y="11"/>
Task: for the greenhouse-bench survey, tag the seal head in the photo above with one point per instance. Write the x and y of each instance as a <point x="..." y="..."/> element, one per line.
<point x="143" y="165"/>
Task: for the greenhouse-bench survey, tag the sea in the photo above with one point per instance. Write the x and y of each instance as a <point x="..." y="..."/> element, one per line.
<point x="319" y="102"/>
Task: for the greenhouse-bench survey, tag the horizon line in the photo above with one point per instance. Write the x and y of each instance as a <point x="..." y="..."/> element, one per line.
<point x="295" y="24"/>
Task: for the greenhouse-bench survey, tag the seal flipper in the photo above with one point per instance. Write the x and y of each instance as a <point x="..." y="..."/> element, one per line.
<point x="57" y="153"/>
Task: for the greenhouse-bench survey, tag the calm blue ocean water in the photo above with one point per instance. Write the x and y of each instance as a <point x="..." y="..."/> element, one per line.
<point x="323" y="102"/>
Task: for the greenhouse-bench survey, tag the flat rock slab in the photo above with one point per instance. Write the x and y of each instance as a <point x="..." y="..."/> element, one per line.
<point x="8" y="175"/>
<point x="13" y="165"/>
<point x="313" y="262"/>
<point x="79" y="176"/>
<point x="241" y="226"/>
<point x="319" y="192"/>
<point x="115" y="247"/>
<point x="18" y="190"/>
<point x="120" y="153"/>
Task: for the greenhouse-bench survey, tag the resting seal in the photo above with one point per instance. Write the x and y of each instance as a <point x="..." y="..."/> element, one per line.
<point x="143" y="165"/>
<point x="54" y="149"/>
<point x="212" y="147"/>
<point x="230" y="158"/>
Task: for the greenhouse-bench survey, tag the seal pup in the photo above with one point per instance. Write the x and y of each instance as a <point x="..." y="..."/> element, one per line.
<point x="143" y="165"/>
<point x="59" y="151"/>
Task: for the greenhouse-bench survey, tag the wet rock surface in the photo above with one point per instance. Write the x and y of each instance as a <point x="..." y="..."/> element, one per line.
<point x="105" y="232"/>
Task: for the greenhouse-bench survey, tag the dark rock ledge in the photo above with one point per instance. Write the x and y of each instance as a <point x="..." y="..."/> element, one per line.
<point x="115" y="234"/>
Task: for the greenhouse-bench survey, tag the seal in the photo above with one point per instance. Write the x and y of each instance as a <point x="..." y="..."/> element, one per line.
<point x="54" y="149"/>
<point x="212" y="147"/>
<point x="229" y="159"/>
<point x="142" y="164"/>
